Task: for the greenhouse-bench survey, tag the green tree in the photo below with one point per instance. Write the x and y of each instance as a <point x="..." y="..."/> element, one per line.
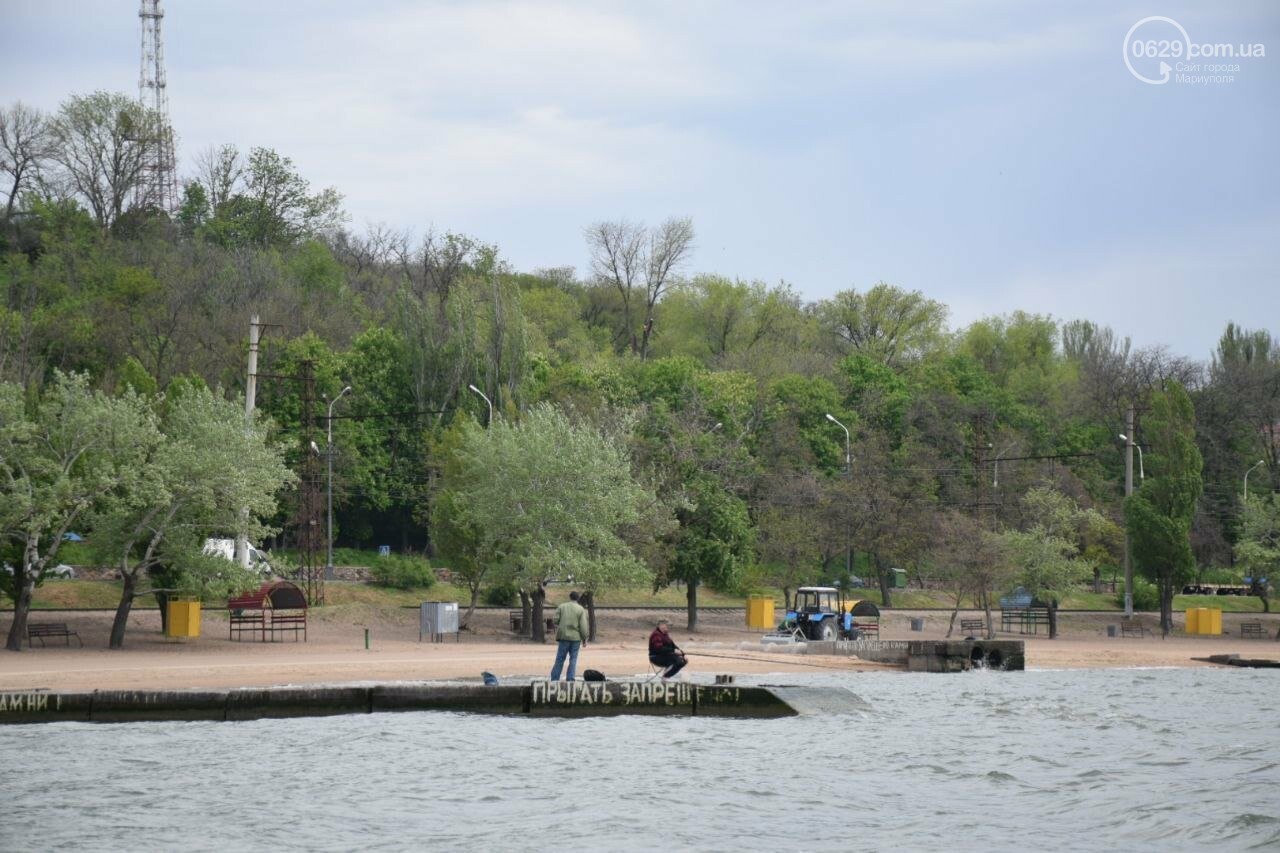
<point x="546" y="498"/>
<point x="714" y="543"/>
<point x="887" y="324"/>
<point x="1159" y="514"/>
<point x="199" y="468"/>
<point x="1047" y="551"/>
<point x="57" y="461"/>
<point x="273" y="205"/>
<point x="1258" y="547"/>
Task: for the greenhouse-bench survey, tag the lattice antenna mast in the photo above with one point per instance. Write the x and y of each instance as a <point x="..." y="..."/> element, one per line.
<point x="160" y="189"/>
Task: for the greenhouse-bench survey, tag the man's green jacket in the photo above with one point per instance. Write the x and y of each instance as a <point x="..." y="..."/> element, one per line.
<point x="571" y="622"/>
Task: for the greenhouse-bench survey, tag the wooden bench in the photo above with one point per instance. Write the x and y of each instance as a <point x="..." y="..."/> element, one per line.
<point x="968" y="626"/>
<point x="1132" y="629"/>
<point x="517" y="621"/>
<point x="1252" y="630"/>
<point x="43" y="630"/>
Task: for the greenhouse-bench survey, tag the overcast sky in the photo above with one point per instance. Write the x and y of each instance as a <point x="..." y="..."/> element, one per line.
<point x="994" y="155"/>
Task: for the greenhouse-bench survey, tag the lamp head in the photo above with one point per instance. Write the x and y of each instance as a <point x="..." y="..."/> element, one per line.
<point x="1124" y="437"/>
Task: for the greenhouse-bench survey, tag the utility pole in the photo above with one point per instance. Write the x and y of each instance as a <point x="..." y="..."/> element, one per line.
<point x="1128" y="490"/>
<point x="250" y="393"/>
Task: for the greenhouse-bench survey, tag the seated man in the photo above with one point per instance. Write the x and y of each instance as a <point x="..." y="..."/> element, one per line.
<point x="664" y="652"/>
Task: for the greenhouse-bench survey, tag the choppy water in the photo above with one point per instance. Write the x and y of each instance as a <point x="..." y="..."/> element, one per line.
<point x="1084" y="760"/>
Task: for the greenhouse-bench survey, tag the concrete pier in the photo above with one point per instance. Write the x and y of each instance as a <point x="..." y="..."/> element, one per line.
<point x="930" y="655"/>
<point x="540" y="698"/>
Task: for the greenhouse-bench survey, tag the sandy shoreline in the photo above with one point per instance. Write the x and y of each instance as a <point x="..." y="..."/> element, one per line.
<point x="335" y="652"/>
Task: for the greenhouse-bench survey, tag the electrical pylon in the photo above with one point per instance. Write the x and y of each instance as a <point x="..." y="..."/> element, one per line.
<point x="159" y="188"/>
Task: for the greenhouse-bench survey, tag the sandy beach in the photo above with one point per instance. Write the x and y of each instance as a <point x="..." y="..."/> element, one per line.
<point x="335" y="650"/>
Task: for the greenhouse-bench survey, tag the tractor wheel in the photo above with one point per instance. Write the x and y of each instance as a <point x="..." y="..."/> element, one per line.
<point x="827" y="630"/>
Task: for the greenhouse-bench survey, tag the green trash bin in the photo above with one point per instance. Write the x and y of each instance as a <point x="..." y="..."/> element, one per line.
<point x="898" y="578"/>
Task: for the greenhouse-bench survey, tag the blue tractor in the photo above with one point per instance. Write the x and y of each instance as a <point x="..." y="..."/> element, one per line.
<point x="819" y="613"/>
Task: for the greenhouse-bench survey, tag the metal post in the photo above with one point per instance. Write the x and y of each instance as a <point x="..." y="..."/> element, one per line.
<point x="1128" y="490"/>
<point x="328" y="563"/>
<point x="848" y="472"/>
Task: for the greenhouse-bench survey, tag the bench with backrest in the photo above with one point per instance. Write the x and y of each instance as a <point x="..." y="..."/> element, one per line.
<point x="44" y="630"/>
<point x="969" y="626"/>
<point x="517" y="621"/>
<point x="1132" y="629"/>
<point x="1026" y="620"/>
<point x="1253" y="630"/>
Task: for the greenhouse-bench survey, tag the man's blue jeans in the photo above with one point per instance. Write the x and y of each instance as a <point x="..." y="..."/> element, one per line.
<point x="570" y="648"/>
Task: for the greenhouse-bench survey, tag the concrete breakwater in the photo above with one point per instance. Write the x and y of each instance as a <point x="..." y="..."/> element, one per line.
<point x="930" y="655"/>
<point x="540" y="698"/>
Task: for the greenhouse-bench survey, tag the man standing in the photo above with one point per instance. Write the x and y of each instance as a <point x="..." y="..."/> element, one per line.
<point x="571" y="634"/>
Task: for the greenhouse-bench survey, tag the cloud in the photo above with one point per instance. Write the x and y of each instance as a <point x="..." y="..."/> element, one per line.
<point x="1180" y="290"/>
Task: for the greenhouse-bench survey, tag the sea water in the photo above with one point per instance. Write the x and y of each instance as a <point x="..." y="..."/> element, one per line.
<point x="1053" y="760"/>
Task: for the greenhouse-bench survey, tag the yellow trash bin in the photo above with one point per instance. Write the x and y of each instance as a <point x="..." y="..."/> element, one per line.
<point x="1211" y="621"/>
<point x="759" y="612"/>
<point x="1193" y="619"/>
<point x="184" y="618"/>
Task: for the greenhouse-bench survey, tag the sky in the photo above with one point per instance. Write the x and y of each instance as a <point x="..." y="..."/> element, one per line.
<point x="996" y="156"/>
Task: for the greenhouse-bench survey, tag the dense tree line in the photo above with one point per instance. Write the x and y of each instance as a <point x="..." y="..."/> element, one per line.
<point x="979" y="458"/>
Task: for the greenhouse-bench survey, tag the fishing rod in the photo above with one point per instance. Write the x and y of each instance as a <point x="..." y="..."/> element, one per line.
<point x="764" y="660"/>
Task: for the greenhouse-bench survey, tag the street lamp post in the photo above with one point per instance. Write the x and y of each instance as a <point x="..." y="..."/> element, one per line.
<point x="1246" y="478"/>
<point x="847" y="463"/>
<point x="328" y="563"/>
<point x="1141" y="473"/>
<point x="1128" y="490"/>
<point x="487" y="400"/>
<point x="848" y="471"/>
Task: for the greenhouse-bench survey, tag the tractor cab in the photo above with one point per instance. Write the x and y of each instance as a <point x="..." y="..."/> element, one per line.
<point x="817" y="599"/>
<point x="818" y="613"/>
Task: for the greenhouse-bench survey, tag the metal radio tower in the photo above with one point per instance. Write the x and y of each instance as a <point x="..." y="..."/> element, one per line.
<point x="160" y="186"/>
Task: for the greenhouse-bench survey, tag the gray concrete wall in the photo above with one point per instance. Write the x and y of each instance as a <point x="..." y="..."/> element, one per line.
<point x="540" y="698"/>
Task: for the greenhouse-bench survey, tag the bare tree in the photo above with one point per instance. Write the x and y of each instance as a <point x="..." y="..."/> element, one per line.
<point x="25" y="146"/>
<point x="629" y="255"/>
<point x="616" y="249"/>
<point x="669" y="246"/>
<point x="101" y="145"/>
<point x="220" y="170"/>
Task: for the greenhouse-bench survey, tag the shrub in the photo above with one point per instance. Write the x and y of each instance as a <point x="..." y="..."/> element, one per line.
<point x="500" y="595"/>
<point x="401" y="572"/>
<point x="1145" y="596"/>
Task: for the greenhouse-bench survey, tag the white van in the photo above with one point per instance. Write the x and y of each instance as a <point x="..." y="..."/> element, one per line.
<point x="226" y="548"/>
